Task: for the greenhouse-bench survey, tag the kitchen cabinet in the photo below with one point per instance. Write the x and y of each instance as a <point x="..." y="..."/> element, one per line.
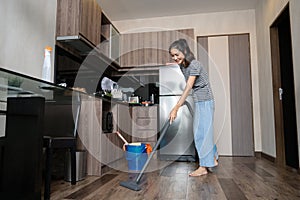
<point x="111" y="145"/>
<point x="139" y="49"/>
<point x="87" y="41"/>
<point x="103" y="149"/>
<point x="124" y="121"/>
<point x="90" y="132"/>
<point x="144" y="124"/>
<point x="129" y="50"/>
<point x="79" y="19"/>
<point x="150" y="48"/>
<point x="110" y="39"/>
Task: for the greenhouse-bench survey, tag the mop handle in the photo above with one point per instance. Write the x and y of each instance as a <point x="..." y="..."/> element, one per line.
<point x="163" y="132"/>
<point x="122" y="138"/>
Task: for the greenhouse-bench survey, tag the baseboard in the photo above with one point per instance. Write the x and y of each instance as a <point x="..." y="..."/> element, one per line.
<point x="259" y="154"/>
<point x="273" y="159"/>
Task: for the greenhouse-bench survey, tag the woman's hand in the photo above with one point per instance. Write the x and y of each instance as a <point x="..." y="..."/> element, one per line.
<point x="173" y="114"/>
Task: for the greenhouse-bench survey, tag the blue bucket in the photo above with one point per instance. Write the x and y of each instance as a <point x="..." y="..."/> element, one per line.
<point x="136" y="156"/>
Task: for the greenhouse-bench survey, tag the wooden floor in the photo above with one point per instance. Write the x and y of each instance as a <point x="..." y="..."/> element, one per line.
<point x="234" y="178"/>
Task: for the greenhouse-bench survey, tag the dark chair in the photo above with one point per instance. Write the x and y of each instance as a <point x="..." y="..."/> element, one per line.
<point x="60" y="131"/>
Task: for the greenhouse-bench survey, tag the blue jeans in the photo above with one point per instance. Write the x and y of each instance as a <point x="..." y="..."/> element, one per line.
<point x="204" y="132"/>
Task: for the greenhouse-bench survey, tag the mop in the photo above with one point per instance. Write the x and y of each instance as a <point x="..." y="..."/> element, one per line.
<point x="134" y="185"/>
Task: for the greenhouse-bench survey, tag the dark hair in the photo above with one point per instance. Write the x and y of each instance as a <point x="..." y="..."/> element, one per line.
<point x="182" y="46"/>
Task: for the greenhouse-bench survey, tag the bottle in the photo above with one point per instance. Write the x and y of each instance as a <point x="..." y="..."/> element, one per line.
<point x="152" y="98"/>
<point x="46" y="72"/>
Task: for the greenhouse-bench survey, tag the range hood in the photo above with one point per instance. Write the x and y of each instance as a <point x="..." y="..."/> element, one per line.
<point x="77" y="42"/>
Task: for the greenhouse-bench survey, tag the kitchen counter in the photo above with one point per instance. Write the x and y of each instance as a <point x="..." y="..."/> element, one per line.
<point x="122" y="102"/>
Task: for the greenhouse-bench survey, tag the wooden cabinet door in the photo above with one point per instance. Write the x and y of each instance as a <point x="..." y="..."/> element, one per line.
<point x="165" y="38"/>
<point x="76" y="17"/>
<point x="90" y="21"/>
<point x="151" y="48"/>
<point x="67" y="21"/>
<point x="144" y="124"/>
<point x="89" y="133"/>
<point x="148" y="49"/>
<point x="129" y="50"/>
<point x="124" y="121"/>
<point x="139" y="49"/>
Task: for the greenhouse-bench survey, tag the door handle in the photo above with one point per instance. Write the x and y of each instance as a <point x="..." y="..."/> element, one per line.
<point x="280" y="93"/>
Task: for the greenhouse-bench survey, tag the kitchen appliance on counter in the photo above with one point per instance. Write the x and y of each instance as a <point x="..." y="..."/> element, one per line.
<point x="107" y="116"/>
<point x="178" y="143"/>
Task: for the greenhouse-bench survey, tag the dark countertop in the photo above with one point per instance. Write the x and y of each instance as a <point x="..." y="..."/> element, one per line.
<point x="117" y="101"/>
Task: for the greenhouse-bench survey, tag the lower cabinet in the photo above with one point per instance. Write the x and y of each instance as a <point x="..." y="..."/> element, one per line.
<point x="111" y="144"/>
<point x="90" y="132"/>
<point x="144" y="124"/>
<point x="124" y="121"/>
<point x="136" y="124"/>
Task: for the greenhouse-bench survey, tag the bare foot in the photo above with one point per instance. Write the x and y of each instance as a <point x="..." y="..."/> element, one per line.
<point x="199" y="172"/>
<point x="216" y="162"/>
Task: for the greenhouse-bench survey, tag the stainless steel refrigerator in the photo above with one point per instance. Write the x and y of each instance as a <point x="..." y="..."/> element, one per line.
<point x="178" y="143"/>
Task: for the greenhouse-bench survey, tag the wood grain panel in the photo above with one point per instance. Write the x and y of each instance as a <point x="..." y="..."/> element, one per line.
<point x="163" y="42"/>
<point x="90" y="22"/>
<point x="187" y="34"/>
<point x="202" y="51"/>
<point x="129" y="50"/>
<point x="124" y="121"/>
<point x="76" y="17"/>
<point x="67" y="22"/>
<point x="148" y="56"/>
<point x="151" y="48"/>
<point x="89" y="132"/>
<point x="144" y="124"/>
<point x="241" y="95"/>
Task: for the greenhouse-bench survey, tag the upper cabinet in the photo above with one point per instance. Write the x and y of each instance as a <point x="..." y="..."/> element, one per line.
<point x="110" y="39"/>
<point x="78" y="20"/>
<point x="85" y="39"/>
<point x="150" y="48"/>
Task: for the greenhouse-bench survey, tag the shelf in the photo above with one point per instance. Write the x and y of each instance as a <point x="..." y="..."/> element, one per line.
<point x="77" y="42"/>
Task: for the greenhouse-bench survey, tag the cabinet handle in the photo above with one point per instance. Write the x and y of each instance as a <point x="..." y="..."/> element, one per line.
<point x="280" y="93"/>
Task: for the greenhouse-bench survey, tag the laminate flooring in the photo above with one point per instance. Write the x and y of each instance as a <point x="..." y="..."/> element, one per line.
<point x="234" y="178"/>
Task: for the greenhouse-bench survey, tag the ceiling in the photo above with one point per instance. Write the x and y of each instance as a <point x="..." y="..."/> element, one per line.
<point x="118" y="10"/>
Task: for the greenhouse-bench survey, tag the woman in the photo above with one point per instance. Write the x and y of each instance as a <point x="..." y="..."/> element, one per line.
<point x="196" y="80"/>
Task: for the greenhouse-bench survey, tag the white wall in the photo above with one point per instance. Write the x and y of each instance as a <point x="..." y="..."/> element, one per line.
<point x="266" y="14"/>
<point x="27" y="27"/>
<point x="295" y="29"/>
<point x="206" y="25"/>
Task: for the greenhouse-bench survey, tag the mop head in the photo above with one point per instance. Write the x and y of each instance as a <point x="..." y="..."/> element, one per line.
<point x="130" y="185"/>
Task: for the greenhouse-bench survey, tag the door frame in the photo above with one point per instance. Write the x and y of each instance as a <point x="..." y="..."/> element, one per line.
<point x="280" y="109"/>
